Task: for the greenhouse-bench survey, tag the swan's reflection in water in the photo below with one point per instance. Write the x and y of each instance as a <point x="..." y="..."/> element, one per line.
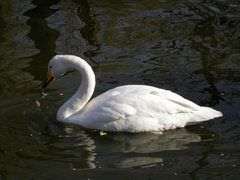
<point x="76" y="147"/>
<point x="153" y="142"/>
<point x="88" y="149"/>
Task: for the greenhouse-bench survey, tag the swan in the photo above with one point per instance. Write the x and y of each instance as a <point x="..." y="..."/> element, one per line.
<point x="128" y="108"/>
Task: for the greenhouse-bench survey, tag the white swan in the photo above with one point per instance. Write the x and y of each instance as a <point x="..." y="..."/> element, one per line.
<point x="130" y="108"/>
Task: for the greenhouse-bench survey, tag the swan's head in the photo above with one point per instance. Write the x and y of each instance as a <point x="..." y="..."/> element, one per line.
<point x="57" y="68"/>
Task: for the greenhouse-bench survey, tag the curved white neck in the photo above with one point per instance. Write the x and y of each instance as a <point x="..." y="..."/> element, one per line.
<point x="84" y="92"/>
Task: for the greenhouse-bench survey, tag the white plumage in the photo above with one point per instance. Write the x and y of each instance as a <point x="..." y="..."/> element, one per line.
<point x="130" y="108"/>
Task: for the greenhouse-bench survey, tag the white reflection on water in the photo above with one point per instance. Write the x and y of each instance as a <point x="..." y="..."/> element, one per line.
<point x="150" y="142"/>
<point x="139" y="161"/>
<point x="124" y="150"/>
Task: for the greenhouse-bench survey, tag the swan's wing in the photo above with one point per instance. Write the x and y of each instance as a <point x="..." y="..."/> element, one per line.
<point x="140" y="109"/>
<point x="171" y="102"/>
<point x="176" y="110"/>
<point x="149" y="93"/>
<point x="121" y="102"/>
<point x="114" y="110"/>
<point x="149" y="102"/>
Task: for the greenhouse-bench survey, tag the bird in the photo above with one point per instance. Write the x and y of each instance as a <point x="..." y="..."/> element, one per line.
<point x="127" y="108"/>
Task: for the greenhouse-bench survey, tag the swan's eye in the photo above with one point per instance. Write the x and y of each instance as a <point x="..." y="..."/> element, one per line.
<point x="66" y="73"/>
<point x="63" y="74"/>
<point x="50" y="67"/>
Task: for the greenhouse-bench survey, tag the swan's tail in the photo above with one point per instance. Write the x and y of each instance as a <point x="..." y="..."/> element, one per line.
<point x="205" y="114"/>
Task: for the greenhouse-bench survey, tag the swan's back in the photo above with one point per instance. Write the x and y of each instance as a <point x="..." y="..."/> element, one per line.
<point x="137" y="108"/>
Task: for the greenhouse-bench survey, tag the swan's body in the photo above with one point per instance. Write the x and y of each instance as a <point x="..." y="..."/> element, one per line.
<point x="131" y="108"/>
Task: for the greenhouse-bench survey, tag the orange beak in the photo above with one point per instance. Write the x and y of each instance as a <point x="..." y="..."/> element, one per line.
<point x="50" y="78"/>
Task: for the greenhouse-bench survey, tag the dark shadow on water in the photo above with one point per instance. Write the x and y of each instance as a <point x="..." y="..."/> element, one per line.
<point x="89" y="31"/>
<point x="43" y="36"/>
<point x="2" y="26"/>
<point x="205" y="30"/>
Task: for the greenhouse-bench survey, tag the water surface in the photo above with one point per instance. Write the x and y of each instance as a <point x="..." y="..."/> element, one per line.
<point x="189" y="47"/>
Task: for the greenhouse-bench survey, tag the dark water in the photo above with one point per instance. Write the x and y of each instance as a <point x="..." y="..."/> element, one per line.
<point x="190" y="47"/>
